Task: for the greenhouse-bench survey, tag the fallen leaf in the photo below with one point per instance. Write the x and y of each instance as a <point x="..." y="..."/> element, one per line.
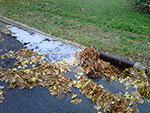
<point x="74" y="96"/>
<point x="97" y="107"/>
<point x="76" y="101"/>
<point x="33" y="79"/>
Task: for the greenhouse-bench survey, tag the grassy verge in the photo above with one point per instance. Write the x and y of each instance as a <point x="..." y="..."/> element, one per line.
<point x="108" y="25"/>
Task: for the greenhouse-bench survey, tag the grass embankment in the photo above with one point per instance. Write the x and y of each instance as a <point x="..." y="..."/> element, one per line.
<point x="108" y="25"/>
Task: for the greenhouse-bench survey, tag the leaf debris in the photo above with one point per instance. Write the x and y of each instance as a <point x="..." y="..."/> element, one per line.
<point x="75" y="100"/>
<point x="1" y="94"/>
<point x="104" y="99"/>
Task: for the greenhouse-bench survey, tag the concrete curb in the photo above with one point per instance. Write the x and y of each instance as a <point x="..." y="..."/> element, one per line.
<point x="26" y="27"/>
<point x="114" y="60"/>
<point x="121" y="62"/>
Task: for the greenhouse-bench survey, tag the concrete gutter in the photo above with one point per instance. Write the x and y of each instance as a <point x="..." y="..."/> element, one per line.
<point x="120" y="62"/>
<point x="117" y="61"/>
<point x="26" y="27"/>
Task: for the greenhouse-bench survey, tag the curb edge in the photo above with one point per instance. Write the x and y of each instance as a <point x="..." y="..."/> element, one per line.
<point x="26" y="27"/>
<point x="133" y="64"/>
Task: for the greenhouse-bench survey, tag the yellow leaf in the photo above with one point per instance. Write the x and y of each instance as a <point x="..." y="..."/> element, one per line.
<point x="52" y="93"/>
<point x="141" y="101"/>
<point x="142" y="83"/>
<point x="80" y="73"/>
<point x="74" y="81"/>
<point x="131" y="97"/>
<point x="97" y="107"/>
<point x="35" y="60"/>
<point x="143" y="72"/>
<point x="76" y="101"/>
<point x="33" y="66"/>
<point x="127" y="69"/>
<point x="24" y="62"/>
<point x="21" y="59"/>
<point x="72" y="101"/>
<point x="93" y="100"/>
<point x="1" y="92"/>
<point x="55" y="87"/>
<point x="27" y="70"/>
<point x="126" y="95"/>
<point x="19" y="67"/>
<point x="74" y="96"/>
<point x="2" y="57"/>
<point x="112" y="77"/>
<point x="53" y="61"/>
<point x="76" y="75"/>
<point x="101" y="86"/>
<point x="1" y="87"/>
<point x="33" y="79"/>
<point x="30" y="87"/>
<point x="40" y="62"/>
<point x="14" y="69"/>
<point x="121" y="81"/>
<point x="99" y="112"/>
<point x="127" y="84"/>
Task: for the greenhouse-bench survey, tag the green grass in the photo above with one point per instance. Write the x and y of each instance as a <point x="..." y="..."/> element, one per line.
<point x="108" y="25"/>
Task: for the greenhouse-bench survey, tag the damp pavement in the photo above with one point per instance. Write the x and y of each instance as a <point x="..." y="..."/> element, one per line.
<point x="38" y="99"/>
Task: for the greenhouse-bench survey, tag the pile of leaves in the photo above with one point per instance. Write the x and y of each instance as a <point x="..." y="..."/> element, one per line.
<point x="145" y="91"/>
<point x="24" y="57"/>
<point x="44" y="74"/>
<point x="111" y="103"/>
<point x="140" y="81"/>
<point x="95" y="67"/>
<point x="31" y="69"/>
